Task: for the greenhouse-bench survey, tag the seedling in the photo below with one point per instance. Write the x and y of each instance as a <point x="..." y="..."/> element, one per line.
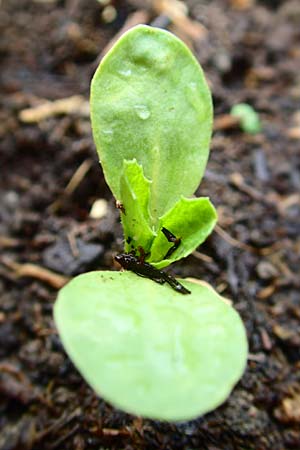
<point x="140" y="343"/>
<point x="249" y="118"/>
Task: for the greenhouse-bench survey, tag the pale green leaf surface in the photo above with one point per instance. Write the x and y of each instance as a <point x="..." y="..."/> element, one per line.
<point x="148" y="349"/>
<point x="135" y="192"/>
<point x="192" y="220"/>
<point x="150" y="101"/>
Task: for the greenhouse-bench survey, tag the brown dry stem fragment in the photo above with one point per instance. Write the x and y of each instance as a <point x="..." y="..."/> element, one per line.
<point x="66" y="436"/>
<point x="75" y="104"/>
<point x="8" y="242"/>
<point x="238" y="181"/>
<point x="287" y="202"/>
<point x="266" y="292"/>
<point x="256" y="357"/>
<point x="281" y="203"/>
<point x="74" y="182"/>
<point x="71" y="236"/>
<point x="241" y="5"/>
<point x="202" y="257"/>
<point x="177" y="11"/>
<point x="64" y="420"/>
<point x="33" y="271"/>
<point x="232" y="241"/>
<point x="265" y="338"/>
<point x="111" y="432"/>
<point x="226" y="122"/>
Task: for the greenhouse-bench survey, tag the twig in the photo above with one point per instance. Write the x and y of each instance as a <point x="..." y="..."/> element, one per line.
<point x="280" y="202"/>
<point x="235" y="243"/>
<point x="288" y="201"/>
<point x="8" y="242"/>
<point x="65" y="436"/>
<point x="238" y="181"/>
<point x="265" y="338"/>
<point x="33" y="271"/>
<point x="202" y="257"/>
<point x="111" y="432"/>
<point x="290" y="279"/>
<point x="256" y="357"/>
<point x="178" y="13"/>
<point x="266" y="292"/>
<point x="58" y="424"/>
<point x="232" y="241"/>
<point x="73" y="244"/>
<point x="78" y="176"/>
<point x="225" y="122"/>
<point x="75" y="104"/>
<point x="76" y="179"/>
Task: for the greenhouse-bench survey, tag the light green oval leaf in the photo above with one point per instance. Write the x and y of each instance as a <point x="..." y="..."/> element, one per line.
<point x="191" y="220"/>
<point x="150" y="101"/>
<point x="148" y="349"/>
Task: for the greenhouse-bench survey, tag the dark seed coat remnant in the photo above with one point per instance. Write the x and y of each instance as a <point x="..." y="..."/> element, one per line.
<point x="144" y="269"/>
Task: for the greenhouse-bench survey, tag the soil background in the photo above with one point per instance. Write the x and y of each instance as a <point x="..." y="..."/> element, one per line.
<point x="48" y="51"/>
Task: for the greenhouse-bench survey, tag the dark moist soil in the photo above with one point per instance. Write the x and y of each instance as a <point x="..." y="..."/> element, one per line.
<point x="49" y="51"/>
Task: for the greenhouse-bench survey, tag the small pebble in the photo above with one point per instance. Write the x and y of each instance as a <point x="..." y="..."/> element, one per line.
<point x="266" y="271"/>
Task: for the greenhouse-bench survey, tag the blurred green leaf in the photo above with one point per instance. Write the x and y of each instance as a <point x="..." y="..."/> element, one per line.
<point x="250" y="122"/>
<point x="147" y="349"/>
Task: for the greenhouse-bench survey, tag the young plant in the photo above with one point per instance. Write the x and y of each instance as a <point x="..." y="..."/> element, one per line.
<point x="138" y="342"/>
<point x="249" y="118"/>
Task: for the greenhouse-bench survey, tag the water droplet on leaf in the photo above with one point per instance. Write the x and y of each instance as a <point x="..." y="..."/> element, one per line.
<point x="108" y="134"/>
<point x="194" y="96"/>
<point x="142" y="111"/>
<point x="125" y="72"/>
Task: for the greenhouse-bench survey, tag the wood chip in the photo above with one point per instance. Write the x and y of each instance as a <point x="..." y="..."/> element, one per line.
<point x="289" y="410"/>
<point x="241" y="5"/>
<point x="293" y="133"/>
<point x="266" y="292"/>
<point x="283" y="333"/>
